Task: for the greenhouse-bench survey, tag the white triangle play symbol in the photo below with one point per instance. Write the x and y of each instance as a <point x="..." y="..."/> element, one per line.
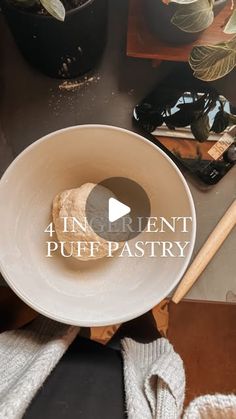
<point x="117" y="210"/>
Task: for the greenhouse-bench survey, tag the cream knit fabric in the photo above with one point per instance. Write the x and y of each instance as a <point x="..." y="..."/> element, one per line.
<point x="27" y="356"/>
<point x="155" y="386"/>
<point x="217" y="406"/>
<point x="154" y="380"/>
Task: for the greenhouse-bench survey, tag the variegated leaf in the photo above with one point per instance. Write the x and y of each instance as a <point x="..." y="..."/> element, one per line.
<point x="55" y="8"/>
<point x="194" y="17"/>
<point x="211" y="62"/>
<point x="230" y="27"/>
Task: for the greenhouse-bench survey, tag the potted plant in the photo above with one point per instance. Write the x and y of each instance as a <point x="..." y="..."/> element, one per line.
<point x="181" y="21"/>
<point x="63" y="39"/>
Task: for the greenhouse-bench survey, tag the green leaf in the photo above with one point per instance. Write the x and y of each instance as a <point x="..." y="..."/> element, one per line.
<point x="221" y="121"/>
<point x="230" y="27"/>
<point x="194" y="17"/>
<point x="211" y="62"/>
<point x="54" y="8"/>
<point x="200" y="128"/>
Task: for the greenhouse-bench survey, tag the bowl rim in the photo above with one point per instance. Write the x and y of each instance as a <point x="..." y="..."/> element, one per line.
<point x="146" y="307"/>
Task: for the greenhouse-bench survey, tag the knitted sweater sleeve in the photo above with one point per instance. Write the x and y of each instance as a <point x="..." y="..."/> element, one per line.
<point x="27" y="356"/>
<point x="154" y="380"/>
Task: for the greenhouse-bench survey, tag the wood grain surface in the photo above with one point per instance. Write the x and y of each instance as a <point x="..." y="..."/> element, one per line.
<point x="204" y="334"/>
<point x="141" y="43"/>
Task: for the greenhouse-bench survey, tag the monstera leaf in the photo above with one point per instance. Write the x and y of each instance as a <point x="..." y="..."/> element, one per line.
<point x="55" y="8"/>
<point x="211" y="62"/>
<point x="194" y="17"/>
<point x="230" y="27"/>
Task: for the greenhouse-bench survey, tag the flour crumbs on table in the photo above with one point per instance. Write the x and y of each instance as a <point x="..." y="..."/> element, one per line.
<point x="77" y="84"/>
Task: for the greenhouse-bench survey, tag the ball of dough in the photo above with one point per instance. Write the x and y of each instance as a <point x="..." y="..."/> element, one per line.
<point x="72" y="203"/>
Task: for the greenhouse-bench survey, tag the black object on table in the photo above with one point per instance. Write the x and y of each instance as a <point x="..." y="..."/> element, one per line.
<point x="86" y="384"/>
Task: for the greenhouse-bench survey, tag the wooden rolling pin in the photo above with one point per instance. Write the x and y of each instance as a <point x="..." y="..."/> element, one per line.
<point x="206" y="253"/>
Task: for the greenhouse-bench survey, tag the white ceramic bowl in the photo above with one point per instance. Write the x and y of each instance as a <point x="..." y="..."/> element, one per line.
<point x="95" y="293"/>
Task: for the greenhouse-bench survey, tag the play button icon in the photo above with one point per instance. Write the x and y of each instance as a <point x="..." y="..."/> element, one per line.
<point x="117" y="210"/>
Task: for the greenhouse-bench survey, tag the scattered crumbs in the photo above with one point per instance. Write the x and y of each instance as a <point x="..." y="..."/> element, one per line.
<point x="74" y="85"/>
<point x="130" y="92"/>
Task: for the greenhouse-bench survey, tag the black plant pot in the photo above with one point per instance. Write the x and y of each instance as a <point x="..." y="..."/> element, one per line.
<point x="159" y="16"/>
<point x="60" y="49"/>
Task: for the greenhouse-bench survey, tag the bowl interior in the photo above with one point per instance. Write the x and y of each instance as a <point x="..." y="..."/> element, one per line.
<point x="100" y="292"/>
